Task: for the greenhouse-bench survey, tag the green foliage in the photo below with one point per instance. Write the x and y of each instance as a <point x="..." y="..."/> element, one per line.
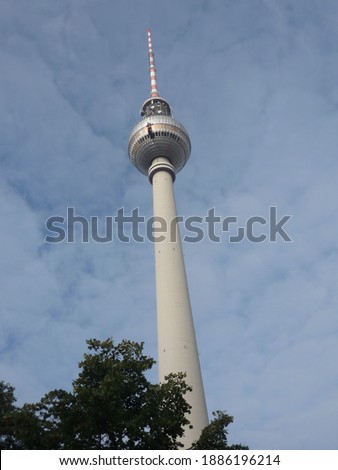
<point x="7" y="409"/>
<point x="215" y="435"/>
<point x="112" y="406"/>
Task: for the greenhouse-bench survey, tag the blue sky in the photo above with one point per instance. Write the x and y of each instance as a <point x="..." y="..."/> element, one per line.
<point x="255" y="82"/>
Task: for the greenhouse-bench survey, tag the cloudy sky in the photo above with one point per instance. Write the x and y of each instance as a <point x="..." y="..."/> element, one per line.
<point x="255" y="82"/>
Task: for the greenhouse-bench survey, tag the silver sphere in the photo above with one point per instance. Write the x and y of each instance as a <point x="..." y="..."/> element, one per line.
<point x="158" y="135"/>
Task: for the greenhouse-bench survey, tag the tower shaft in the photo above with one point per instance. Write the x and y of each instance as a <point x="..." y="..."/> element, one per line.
<point x="177" y="347"/>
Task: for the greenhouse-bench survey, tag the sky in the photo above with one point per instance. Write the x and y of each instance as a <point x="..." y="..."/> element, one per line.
<point x="255" y="83"/>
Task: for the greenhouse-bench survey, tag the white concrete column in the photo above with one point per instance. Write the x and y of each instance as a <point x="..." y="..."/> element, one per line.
<point x="177" y="348"/>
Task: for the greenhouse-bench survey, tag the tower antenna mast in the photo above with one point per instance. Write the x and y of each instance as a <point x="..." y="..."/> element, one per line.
<point x="152" y="68"/>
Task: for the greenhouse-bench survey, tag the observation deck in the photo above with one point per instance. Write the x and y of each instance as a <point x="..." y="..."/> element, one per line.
<point x="158" y="134"/>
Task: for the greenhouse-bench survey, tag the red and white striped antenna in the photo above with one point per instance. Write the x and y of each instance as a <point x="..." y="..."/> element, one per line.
<point x="152" y="69"/>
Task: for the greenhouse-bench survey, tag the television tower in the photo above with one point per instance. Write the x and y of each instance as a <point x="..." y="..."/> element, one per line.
<point x="159" y="147"/>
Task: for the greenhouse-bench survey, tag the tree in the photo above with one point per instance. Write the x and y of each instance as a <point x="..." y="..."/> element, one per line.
<point x="214" y="436"/>
<point x="112" y="405"/>
<point x="7" y="409"/>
